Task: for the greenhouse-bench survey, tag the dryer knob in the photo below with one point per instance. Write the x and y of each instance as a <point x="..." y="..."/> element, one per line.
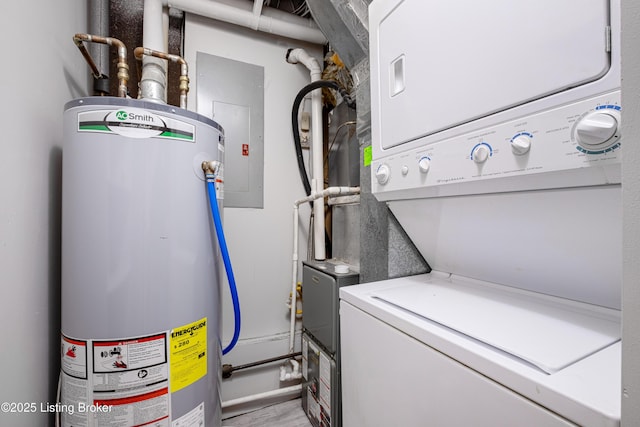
<point x="521" y="145"/>
<point x="481" y="153"/>
<point x="596" y="129"/>
<point x="423" y="164"/>
<point x="383" y="173"/>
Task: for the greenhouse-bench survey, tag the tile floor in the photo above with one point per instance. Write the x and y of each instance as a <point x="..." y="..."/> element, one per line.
<point x="286" y="414"/>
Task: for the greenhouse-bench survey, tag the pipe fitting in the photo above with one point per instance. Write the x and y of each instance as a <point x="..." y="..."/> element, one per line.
<point x="300" y="56"/>
<point x="123" y="68"/>
<point x="294" y="374"/>
<point x="210" y="167"/>
<point x="140" y="52"/>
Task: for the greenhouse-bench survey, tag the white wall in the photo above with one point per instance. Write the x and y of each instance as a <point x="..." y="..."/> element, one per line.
<point x="41" y="70"/>
<point x="631" y="213"/>
<point x="260" y="240"/>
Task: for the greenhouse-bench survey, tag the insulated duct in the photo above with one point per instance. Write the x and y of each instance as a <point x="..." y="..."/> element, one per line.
<point x="345" y="23"/>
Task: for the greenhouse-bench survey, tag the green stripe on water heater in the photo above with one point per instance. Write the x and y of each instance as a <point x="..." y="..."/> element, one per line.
<point x="176" y="135"/>
<point x="101" y="128"/>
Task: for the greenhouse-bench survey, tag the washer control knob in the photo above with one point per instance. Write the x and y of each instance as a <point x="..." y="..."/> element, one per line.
<point x="520" y="145"/>
<point x="596" y="130"/>
<point x="383" y="173"/>
<point x="481" y="153"/>
<point x="404" y="170"/>
<point x="423" y="164"/>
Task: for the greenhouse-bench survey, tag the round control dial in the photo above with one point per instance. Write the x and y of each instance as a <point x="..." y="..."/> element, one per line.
<point x="383" y="173"/>
<point x="521" y="144"/>
<point x="424" y="164"/>
<point x="481" y="153"/>
<point x="597" y="130"/>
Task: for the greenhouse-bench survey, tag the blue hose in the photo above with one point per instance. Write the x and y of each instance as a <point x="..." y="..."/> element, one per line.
<point x="215" y="212"/>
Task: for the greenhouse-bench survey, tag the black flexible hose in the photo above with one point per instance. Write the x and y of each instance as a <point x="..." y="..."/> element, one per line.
<point x="296" y="126"/>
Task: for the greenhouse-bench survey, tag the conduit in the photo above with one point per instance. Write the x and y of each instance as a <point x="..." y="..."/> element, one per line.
<point x="300" y="56"/>
<point x="331" y="191"/>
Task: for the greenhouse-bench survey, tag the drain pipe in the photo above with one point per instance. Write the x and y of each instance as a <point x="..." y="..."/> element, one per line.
<point x="257" y="12"/>
<point x="269" y="20"/>
<point x="331" y="191"/>
<point x="294" y="389"/>
<point x="243" y="13"/>
<point x="295" y="56"/>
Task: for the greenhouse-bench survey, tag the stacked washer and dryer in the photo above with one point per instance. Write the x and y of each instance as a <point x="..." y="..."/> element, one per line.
<point x="496" y="144"/>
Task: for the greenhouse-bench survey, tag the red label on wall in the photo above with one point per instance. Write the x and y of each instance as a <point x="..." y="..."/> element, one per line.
<point x="245" y="149"/>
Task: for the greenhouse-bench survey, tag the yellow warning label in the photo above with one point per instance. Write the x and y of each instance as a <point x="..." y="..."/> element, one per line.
<point x="188" y="354"/>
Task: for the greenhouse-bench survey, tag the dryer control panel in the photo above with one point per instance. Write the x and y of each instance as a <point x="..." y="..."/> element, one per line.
<point x="572" y="145"/>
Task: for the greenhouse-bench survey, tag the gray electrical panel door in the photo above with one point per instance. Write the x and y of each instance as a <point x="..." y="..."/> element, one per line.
<point x="232" y="92"/>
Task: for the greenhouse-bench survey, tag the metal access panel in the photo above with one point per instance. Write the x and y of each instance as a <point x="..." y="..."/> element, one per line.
<point x="320" y="286"/>
<point x="232" y="92"/>
<point x="320" y="385"/>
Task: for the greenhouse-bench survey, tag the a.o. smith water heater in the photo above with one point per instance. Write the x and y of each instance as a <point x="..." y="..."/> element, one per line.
<point x="140" y="268"/>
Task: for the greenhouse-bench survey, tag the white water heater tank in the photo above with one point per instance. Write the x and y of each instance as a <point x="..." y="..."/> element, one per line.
<point x="140" y="266"/>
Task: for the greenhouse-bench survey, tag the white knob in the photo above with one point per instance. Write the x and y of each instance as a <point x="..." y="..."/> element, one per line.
<point x="521" y="145"/>
<point x="481" y="153"/>
<point x="383" y="173"/>
<point x="424" y="164"/>
<point x="596" y="129"/>
<point x="404" y="170"/>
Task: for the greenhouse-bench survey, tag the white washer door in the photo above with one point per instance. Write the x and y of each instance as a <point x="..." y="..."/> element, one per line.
<point x="436" y="65"/>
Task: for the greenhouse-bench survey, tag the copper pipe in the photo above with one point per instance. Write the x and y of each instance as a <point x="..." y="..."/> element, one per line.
<point x="123" y="68"/>
<point x="139" y="53"/>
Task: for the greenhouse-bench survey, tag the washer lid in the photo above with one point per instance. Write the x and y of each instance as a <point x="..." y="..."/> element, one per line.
<point x="548" y="332"/>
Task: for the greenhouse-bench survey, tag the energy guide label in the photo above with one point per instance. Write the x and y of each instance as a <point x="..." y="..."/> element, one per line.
<point x="188" y="354"/>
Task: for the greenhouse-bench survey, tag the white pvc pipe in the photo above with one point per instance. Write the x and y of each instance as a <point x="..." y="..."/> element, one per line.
<point x="257" y="12"/>
<point x="269" y="20"/>
<point x="294" y="281"/>
<point x="242" y="13"/>
<point x="295" y="373"/>
<point x="317" y="159"/>
<point x="331" y="191"/>
<point x="267" y="394"/>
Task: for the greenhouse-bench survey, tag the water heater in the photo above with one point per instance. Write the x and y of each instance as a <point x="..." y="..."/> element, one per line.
<point x="140" y="266"/>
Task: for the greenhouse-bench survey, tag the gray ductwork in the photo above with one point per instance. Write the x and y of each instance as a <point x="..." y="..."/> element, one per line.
<point x="345" y="24"/>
